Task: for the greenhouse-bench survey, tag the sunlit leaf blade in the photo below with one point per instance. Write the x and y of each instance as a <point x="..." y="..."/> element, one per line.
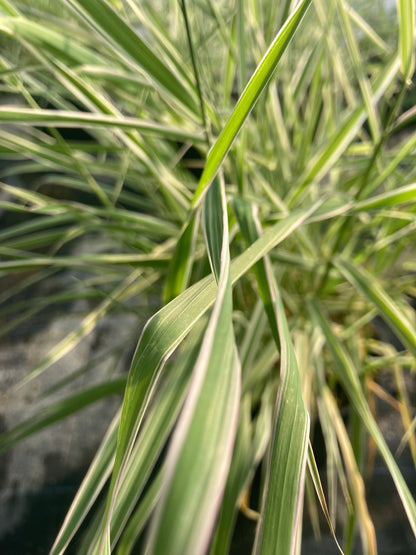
<point x="404" y="194"/>
<point x="347" y="374"/>
<point x="283" y="490"/>
<point x="83" y="120"/>
<point x="370" y="286"/>
<point x="48" y="39"/>
<point x="103" y="18"/>
<point x="406" y="12"/>
<point x="247" y="100"/>
<point x="325" y="158"/>
<point x="200" y="453"/>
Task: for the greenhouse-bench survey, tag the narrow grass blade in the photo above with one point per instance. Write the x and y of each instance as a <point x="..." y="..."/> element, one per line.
<point x="200" y="453"/>
<point x="83" y="120"/>
<point x="156" y="429"/>
<point x="363" y="82"/>
<point x="391" y="167"/>
<point x="86" y="326"/>
<point x="249" y="97"/>
<point x="401" y="195"/>
<point x="104" y="19"/>
<point x="371" y="287"/>
<point x="248" y="222"/>
<point x="406" y="12"/>
<point x="58" y="213"/>
<point x="250" y="446"/>
<point x="22" y="260"/>
<point x="60" y="410"/>
<point x="283" y="490"/>
<point x="356" y="482"/>
<point x="94" y="481"/>
<point x="140" y="517"/>
<point x="181" y="263"/>
<point x="327" y="155"/>
<point x="44" y="38"/>
<point x="365" y="27"/>
<point x="316" y="480"/>
<point x="347" y="374"/>
<point x="284" y="484"/>
<point x="152" y="437"/>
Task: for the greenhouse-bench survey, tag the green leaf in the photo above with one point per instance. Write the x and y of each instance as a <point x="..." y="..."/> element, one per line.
<point x="247" y="100"/>
<point x="168" y="327"/>
<point x="152" y="437"/>
<point x="330" y="152"/>
<point x="404" y="194"/>
<point x="282" y="502"/>
<point x="200" y="452"/>
<point x="181" y="263"/>
<point x="50" y="40"/>
<point x="69" y="405"/>
<point x="251" y="443"/>
<point x="127" y="44"/>
<point x="84" y="120"/>
<point x="283" y="489"/>
<point x="347" y="374"/>
<point x="157" y="426"/>
<point x="92" y="484"/>
<point x="140" y="517"/>
<point x="371" y="287"/>
<point x="406" y="12"/>
<point x="314" y="474"/>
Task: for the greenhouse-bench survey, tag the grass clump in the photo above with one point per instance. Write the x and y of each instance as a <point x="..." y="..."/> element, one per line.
<point x="249" y="165"/>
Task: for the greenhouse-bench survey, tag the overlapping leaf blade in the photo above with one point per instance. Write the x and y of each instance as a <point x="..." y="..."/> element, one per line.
<point x="127" y="43"/>
<point x="282" y="498"/>
<point x="200" y="452"/>
<point x="92" y="484"/>
<point x="249" y="97"/>
<point x="347" y="374"/>
<point x="371" y="287"/>
<point x="83" y="120"/>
